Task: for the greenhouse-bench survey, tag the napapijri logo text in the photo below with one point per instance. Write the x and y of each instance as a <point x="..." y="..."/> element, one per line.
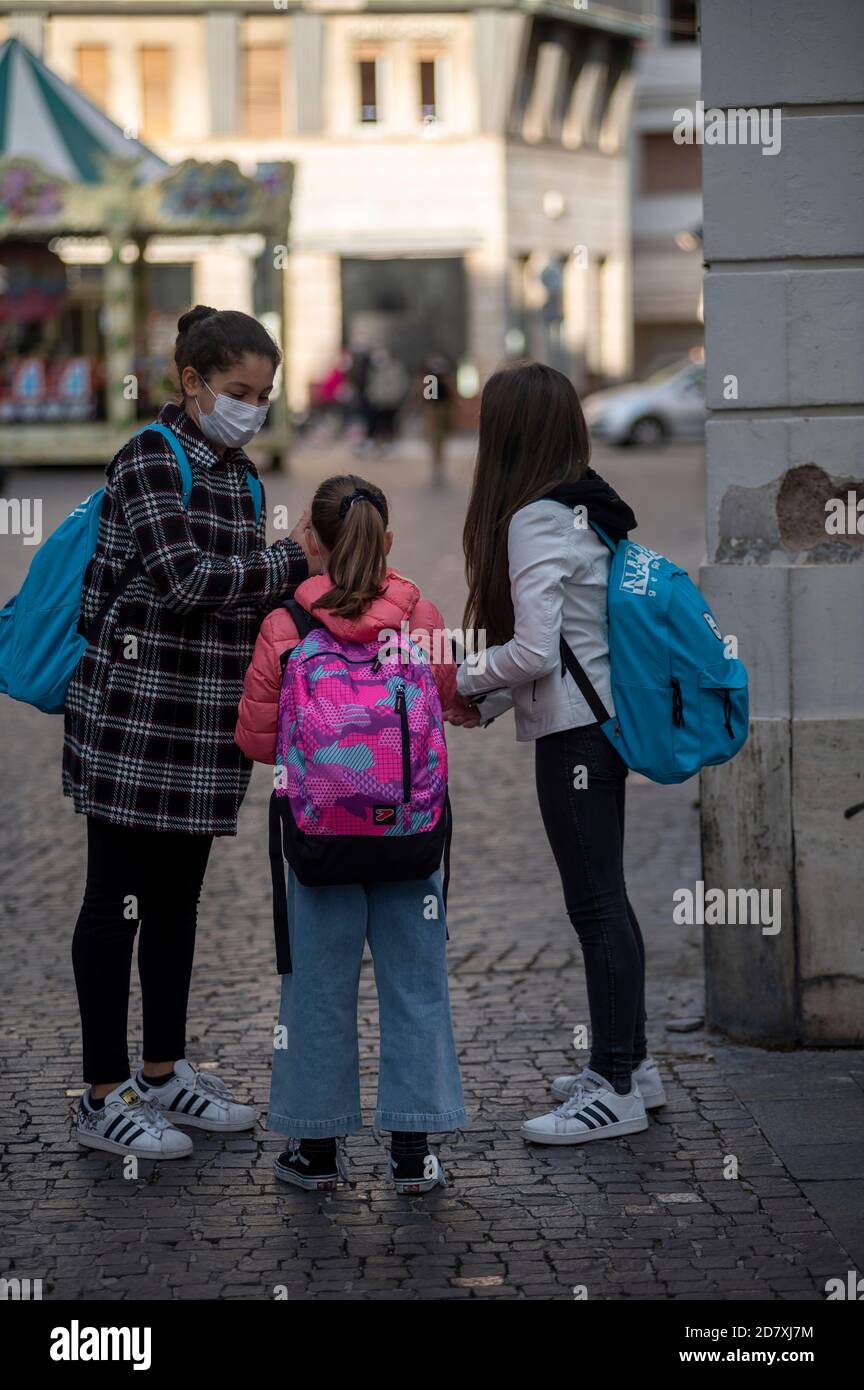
<point x="637" y="569"/>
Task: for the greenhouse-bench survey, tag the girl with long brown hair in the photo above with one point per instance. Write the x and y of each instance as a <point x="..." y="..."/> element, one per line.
<point x="537" y="576"/>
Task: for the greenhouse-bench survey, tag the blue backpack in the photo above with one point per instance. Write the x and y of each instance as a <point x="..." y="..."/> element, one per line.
<point x="680" y="703"/>
<point x="41" y="642"/>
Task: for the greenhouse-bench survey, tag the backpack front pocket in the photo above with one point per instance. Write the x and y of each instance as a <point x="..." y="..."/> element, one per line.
<point x="724" y="710"/>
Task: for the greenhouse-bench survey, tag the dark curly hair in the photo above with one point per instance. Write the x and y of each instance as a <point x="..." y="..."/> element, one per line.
<point x="212" y="340"/>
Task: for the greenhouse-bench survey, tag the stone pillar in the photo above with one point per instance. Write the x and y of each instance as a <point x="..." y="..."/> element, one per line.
<point x="784" y="289"/>
<point x="223" y="77"/>
<point x="486" y="272"/>
<point x="119" y="291"/>
<point x="29" y="27"/>
<point x="499" y="49"/>
<point x="313" y="329"/>
<point x="222" y="276"/>
<point x="307" y="57"/>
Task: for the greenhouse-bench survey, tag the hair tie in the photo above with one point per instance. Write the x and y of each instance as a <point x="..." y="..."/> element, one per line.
<point x="361" y="495"/>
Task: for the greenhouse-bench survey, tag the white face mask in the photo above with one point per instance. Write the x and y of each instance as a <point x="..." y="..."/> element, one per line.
<point x="231" y="424"/>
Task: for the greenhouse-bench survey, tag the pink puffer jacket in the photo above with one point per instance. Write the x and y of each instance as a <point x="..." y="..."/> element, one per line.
<point x="400" y="601"/>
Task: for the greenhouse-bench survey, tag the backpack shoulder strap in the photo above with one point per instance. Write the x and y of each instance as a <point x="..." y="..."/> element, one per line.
<point x="256" y="492"/>
<point x="602" y="534"/>
<point x="179" y="453"/>
<point x="135" y="566"/>
<point x="570" y="662"/>
<point x="303" y="621"/>
<point x="253" y="483"/>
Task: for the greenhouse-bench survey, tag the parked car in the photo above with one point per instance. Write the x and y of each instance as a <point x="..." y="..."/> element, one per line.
<point x="669" y="404"/>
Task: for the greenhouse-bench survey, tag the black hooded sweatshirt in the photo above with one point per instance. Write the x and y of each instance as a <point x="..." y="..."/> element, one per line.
<point x="604" y="506"/>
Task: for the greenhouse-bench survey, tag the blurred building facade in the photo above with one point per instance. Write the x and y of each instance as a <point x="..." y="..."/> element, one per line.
<point x="462" y="174"/>
<point x="667" y="189"/>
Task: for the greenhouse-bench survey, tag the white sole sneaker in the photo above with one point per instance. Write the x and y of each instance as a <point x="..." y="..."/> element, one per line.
<point x="215" y="1126"/>
<point x="198" y="1100"/>
<point x="593" y="1111"/>
<point x="610" y="1131"/>
<point x="108" y="1146"/>
<point x="412" y="1187"/>
<point x="646" y="1076"/>
<point x="129" y="1124"/>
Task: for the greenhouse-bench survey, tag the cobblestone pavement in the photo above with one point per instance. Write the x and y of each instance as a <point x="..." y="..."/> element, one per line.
<point x="650" y="1217"/>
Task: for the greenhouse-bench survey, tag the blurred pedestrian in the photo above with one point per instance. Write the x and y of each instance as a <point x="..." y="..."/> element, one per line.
<point x="438" y="389"/>
<point x="387" y="386"/>
<point x="335" y="395"/>
<point x="359" y="411"/>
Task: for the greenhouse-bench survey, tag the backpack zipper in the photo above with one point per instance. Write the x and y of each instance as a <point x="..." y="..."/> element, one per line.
<point x="727" y="713"/>
<point x="353" y="660"/>
<point x="677" y="703"/>
<point x="402" y="710"/>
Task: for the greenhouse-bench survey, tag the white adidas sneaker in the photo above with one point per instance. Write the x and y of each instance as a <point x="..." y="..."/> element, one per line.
<point x="198" y="1099"/>
<point x="646" y="1077"/>
<point x="129" y="1124"/>
<point x="592" y="1111"/>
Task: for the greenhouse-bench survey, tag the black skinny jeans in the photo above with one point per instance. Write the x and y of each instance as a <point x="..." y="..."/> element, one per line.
<point x="585" y="827"/>
<point x="145" y="878"/>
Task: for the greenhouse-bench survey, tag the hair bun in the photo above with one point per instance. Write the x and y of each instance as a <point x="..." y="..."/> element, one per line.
<point x="193" y="316"/>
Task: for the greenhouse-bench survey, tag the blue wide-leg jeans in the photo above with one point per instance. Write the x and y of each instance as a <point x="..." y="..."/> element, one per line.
<point x="315" y="1091"/>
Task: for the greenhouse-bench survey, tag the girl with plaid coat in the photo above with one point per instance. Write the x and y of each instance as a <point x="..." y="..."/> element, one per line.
<point x="172" y="602"/>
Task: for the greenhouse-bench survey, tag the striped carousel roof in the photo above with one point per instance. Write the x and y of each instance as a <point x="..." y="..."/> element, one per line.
<point x="50" y="121"/>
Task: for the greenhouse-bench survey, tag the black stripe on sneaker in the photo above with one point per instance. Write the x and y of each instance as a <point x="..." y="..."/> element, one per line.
<point x="187" y="1108"/>
<point x="136" y="1134"/>
<point x="201" y="1108"/>
<point x="591" y="1124"/>
<point x="178" y="1099"/>
<point x="598" y="1105"/>
<point x="592" y="1110"/>
<point x="115" y="1123"/>
<point x="120" y="1136"/>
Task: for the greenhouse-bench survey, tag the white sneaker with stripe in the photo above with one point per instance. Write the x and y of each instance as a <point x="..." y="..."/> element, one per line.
<point x="592" y="1111"/>
<point x="646" y="1077"/>
<point x="198" y="1099"/>
<point x="129" y="1124"/>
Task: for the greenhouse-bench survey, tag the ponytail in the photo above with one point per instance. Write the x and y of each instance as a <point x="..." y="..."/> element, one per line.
<point x="350" y="518"/>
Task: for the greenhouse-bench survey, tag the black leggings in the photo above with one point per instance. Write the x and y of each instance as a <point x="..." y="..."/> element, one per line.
<point x="585" y="827"/>
<point x="153" y="879"/>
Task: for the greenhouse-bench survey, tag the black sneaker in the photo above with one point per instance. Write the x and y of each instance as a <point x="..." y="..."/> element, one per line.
<point x="416" y="1173"/>
<point x="316" y="1172"/>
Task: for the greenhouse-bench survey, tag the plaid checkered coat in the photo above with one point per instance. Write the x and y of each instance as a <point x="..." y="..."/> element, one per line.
<point x="151" y="708"/>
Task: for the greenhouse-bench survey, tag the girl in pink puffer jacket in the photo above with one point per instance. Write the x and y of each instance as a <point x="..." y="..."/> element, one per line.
<point x="399" y="600"/>
<point x="315" y="1089"/>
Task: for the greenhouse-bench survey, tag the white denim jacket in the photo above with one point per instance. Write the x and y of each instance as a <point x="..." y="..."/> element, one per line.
<point x="559" y="572"/>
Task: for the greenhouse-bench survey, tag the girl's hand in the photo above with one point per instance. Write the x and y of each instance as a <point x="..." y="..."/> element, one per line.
<point x="463" y="715"/>
<point x="302" y="534"/>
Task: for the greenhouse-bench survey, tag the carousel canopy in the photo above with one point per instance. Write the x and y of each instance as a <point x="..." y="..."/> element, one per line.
<point x="47" y="120"/>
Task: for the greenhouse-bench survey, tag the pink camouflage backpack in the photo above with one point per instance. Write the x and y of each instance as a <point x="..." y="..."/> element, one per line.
<point x="361" y="760"/>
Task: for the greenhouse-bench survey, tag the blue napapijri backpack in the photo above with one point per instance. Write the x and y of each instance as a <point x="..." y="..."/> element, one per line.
<point x="680" y="703"/>
<point x="40" y="640"/>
